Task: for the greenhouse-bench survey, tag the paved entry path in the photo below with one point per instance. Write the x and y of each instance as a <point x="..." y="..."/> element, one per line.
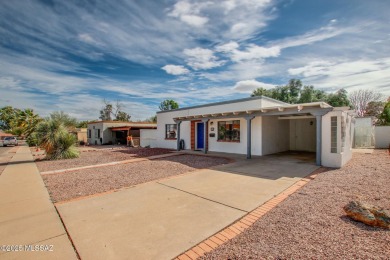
<point x="27" y="216"/>
<point x="163" y="219"/>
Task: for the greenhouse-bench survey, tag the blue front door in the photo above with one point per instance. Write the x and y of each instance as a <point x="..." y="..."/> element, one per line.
<point x="199" y="136"/>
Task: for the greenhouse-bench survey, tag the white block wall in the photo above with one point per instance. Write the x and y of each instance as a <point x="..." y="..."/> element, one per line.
<point x="382" y="137"/>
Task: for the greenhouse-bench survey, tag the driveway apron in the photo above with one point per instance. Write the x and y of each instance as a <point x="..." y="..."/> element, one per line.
<point x="163" y="219"/>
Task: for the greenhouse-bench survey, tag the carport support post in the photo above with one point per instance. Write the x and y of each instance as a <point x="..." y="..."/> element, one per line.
<point x="178" y="134"/>
<point x="318" y="139"/>
<point x="205" y="124"/>
<point x="249" y="137"/>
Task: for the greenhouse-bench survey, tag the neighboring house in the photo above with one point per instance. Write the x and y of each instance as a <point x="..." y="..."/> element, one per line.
<point x="115" y="132"/>
<point x="81" y="134"/>
<point x="260" y="126"/>
<point x="4" y="135"/>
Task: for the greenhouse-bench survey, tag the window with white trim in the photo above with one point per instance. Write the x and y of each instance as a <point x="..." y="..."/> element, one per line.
<point x="229" y="131"/>
<point x="170" y="131"/>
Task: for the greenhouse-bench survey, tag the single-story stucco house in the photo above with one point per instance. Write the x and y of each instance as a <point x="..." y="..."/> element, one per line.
<point x="260" y="126"/>
<point x="114" y="132"/>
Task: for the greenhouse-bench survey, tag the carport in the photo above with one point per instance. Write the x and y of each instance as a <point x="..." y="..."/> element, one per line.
<point x="287" y="127"/>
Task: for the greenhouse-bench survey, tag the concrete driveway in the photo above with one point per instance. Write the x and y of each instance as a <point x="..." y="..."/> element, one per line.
<point x="160" y="220"/>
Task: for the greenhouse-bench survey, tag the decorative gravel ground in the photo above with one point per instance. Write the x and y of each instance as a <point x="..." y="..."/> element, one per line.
<point x="70" y="185"/>
<point x="311" y="224"/>
<point x="99" y="157"/>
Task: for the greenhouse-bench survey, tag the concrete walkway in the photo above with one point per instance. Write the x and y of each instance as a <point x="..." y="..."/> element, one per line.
<point x="27" y="216"/>
<point x="163" y="219"/>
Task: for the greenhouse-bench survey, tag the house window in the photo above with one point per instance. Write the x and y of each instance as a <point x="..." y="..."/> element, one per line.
<point x="97" y="133"/>
<point x="229" y="131"/>
<point x="89" y="133"/>
<point x="170" y="131"/>
<point x="333" y="134"/>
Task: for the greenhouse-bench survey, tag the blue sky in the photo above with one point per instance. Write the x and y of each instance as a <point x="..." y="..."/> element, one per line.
<point x="70" y="55"/>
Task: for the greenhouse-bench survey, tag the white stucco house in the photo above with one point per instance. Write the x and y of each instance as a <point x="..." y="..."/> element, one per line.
<point x="260" y="126"/>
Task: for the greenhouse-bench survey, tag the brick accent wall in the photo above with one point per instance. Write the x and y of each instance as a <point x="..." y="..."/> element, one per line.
<point x="193" y="135"/>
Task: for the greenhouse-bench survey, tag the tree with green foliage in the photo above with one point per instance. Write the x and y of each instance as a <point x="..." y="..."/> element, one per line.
<point x="339" y="99"/>
<point x="289" y="93"/>
<point x="294" y="92"/>
<point x="113" y="112"/>
<point x="384" y="117"/>
<point x="18" y="122"/>
<point x="374" y="108"/>
<point x="82" y="124"/>
<point x="168" y="104"/>
<point x="152" y="119"/>
<point x="310" y="94"/>
<point x="261" y="92"/>
<point x="8" y="117"/>
<point x="122" y="116"/>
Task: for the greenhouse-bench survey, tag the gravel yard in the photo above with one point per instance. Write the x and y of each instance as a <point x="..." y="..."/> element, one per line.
<point x="70" y="185"/>
<point x="99" y="157"/>
<point x="311" y="223"/>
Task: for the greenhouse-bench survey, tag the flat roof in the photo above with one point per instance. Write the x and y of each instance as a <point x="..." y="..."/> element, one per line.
<point x="123" y="123"/>
<point x="224" y="103"/>
<point x="285" y="109"/>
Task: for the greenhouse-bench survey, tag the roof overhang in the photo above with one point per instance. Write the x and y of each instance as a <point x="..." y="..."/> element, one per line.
<point x="126" y="128"/>
<point x="306" y="109"/>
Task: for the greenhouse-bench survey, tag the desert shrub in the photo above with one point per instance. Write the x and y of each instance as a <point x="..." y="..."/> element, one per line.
<point x="58" y="143"/>
<point x="32" y="140"/>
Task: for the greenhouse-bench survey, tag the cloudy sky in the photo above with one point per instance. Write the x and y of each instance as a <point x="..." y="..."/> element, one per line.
<point x="70" y="55"/>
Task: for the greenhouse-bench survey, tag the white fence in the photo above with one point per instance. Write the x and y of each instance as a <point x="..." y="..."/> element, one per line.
<point x="382" y="136"/>
<point x="148" y="137"/>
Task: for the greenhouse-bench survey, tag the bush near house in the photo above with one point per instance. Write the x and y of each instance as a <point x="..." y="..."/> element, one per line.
<point x="58" y="143"/>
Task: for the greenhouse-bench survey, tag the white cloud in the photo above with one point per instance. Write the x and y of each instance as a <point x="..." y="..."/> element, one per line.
<point x="354" y="74"/>
<point x="247" y="86"/>
<point x="175" y="69"/>
<point x="194" y="20"/>
<point x="321" y="34"/>
<point x="255" y="52"/>
<point x="85" y="37"/>
<point x="199" y="58"/>
<point x="188" y="13"/>
<point x="252" y="52"/>
<point x="227" y="47"/>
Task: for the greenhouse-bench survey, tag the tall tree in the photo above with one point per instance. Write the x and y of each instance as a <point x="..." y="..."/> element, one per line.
<point x="168" y="104"/>
<point x="110" y="112"/>
<point x="339" y="99"/>
<point x="8" y="117"/>
<point x="122" y="116"/>
<point x="374" y="108"/>
<point x="361" y="98"/>
<point x="261" y="92"/>
<point x="310" y="94"/>
<point x="27" y="121"/>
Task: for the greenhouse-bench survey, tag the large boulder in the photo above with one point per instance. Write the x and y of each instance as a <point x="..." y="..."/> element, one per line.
<point x="368" y="214"/>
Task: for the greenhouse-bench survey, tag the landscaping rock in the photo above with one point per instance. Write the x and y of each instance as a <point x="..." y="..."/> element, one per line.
<point x="368" y="214"/>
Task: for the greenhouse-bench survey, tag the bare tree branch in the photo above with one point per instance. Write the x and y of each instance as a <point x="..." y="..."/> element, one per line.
<point x="360" y="99"/>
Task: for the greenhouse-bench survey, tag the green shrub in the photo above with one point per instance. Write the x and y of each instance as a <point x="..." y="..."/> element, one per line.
<point x="58" y="143"/>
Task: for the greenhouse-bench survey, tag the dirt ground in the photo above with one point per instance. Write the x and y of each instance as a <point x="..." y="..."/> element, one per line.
<point x="311" y="224"/>
<point x="70" y="185"/>
<point x="101" y="156"/>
